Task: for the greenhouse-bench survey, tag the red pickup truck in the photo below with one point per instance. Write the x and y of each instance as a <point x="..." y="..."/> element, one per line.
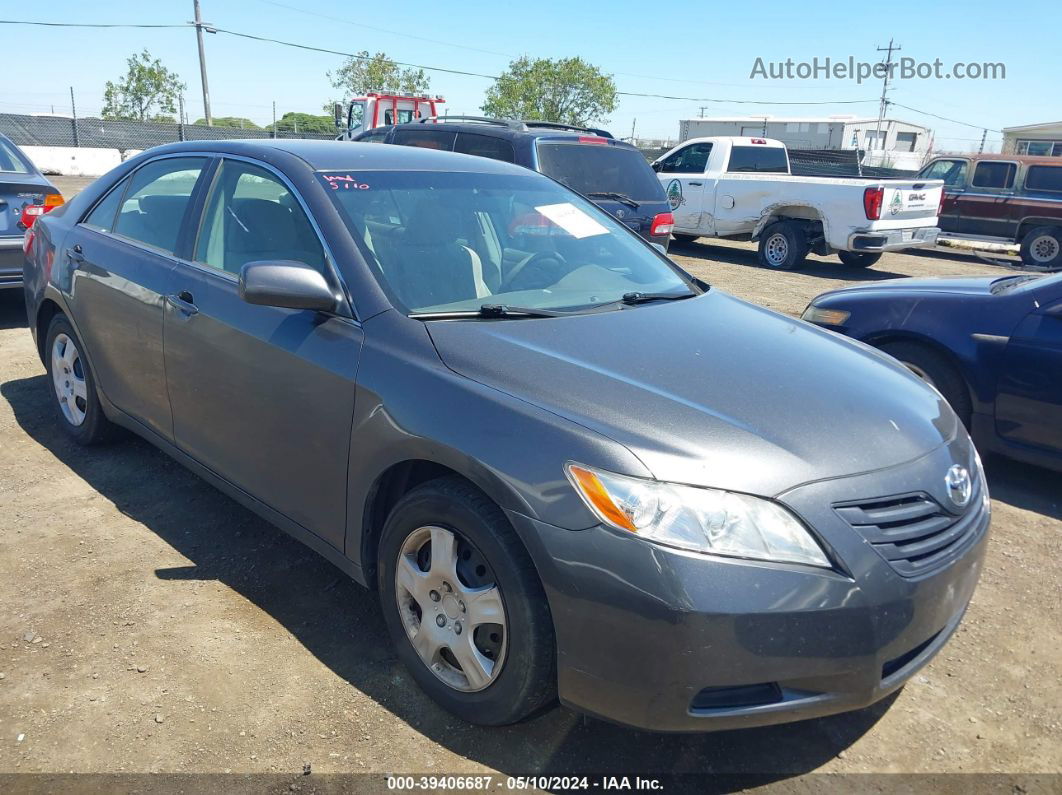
<point x="1008" y="198"/>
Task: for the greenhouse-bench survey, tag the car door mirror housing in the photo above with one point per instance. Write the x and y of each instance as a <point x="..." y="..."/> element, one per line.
<point x="338" y="114"/>
<point x="286" y="284"/>
<point x="657" y="166"/>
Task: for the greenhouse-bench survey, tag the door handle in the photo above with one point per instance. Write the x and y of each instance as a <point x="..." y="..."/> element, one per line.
<point x="183" y="302"/>
<point x="696" y="184"/>
<point x="74" y="253"/>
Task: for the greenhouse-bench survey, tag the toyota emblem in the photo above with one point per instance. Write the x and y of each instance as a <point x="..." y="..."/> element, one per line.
<point x="959" y="485"/>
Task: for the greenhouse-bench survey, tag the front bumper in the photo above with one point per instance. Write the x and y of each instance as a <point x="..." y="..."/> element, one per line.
<point x="12" y="258"/>
<point x="893" y="239"/>
<point x="667" y="640"/>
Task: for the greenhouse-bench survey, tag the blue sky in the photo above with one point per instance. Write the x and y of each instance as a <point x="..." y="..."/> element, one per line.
<point x="684" y="48"/>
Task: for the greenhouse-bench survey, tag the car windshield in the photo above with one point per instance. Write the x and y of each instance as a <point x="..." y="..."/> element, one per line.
<point x="453" y="242"/>
<point x="597" y="169"/>
<point x="10" y="159"/>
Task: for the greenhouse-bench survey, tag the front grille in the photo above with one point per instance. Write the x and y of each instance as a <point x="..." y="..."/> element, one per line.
<point x="912" y="531"/>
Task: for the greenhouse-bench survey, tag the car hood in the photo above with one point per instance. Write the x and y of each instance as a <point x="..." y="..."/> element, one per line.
<point x="710" y="391"/>
<point x="971" y="285"/>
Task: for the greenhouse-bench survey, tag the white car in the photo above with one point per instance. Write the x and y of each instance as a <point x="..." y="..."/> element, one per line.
<point x="741" y="187"/>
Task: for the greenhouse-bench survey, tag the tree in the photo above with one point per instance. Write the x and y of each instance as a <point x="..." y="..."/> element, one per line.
<point x="146" y="92"/>
<point x="305" y="123"/>
<point x="362" y="73"/>
<point x="230" y="121"/>
<point x="565" y="90"/>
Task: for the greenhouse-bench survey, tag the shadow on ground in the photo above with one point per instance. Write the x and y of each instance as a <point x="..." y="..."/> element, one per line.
<point x="813" y="266"/>
<point x="12" y="309"/>
<point x="340" y="624"/>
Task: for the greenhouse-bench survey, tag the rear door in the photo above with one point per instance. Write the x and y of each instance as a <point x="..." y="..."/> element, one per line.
<point x="984" y="208"/>
<point x="122" y="255"/>
<point x="681" y="174"/>
<point x="263" y="396"/>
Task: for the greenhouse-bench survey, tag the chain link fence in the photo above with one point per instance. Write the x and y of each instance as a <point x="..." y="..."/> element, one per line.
<point x="123" y="135"/>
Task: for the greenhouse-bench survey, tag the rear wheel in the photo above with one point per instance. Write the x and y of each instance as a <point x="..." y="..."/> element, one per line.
<point x="1042" y="248"/>
<point x="74" y="386"/>
<point x="783" y="246"/>
<point x="464" y="606"/>
<point x="935" y="370"/>
<point x="858" y="259"/>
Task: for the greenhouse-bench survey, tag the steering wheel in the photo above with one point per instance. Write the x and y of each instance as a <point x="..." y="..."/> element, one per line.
<point x="522" y="265"/>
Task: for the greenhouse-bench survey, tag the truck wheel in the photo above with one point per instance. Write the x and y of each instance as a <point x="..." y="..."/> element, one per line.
<point x="783" y="246"/>
<point x="464" y="606"/>
<point x="679" y="238"/>
<point x="1042" y="248"/>
<point x="858" y="259"/>
<point x="936" y="371"/>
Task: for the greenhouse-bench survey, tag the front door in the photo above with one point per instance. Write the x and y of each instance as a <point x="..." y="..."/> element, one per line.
<point x="1029" y="397"/>
<point x="263" y="396"/>
<point x="123" y="258"/>
<point x="954" y="173"/>
<point x="682" y="175"/>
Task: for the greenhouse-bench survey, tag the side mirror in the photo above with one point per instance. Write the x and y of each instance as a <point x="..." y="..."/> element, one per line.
<point x="287" y="284"/>
<point x="656" y="166"/>
<point x="1054" y="311"/>
<point x="338" y="113"/>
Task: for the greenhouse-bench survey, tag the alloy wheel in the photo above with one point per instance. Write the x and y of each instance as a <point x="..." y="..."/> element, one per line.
<point x="68" y="378"/>
<point x="776" y="249"/>
<point x="451" y="608"/>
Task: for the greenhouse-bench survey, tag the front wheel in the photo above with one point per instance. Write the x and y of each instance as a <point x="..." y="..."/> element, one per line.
<point x="464" y="606"/>
<point x="858" y="259"/>
<point x="783" y="246"/>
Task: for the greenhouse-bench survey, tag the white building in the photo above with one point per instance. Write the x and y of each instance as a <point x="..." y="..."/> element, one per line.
<point x="1034" y="139"/>
<point x="900" y="144"/>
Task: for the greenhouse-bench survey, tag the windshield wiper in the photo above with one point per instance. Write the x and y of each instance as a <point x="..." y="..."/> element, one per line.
<point x="619" y="197"/>
<point x="642" y="298"/>
<point x="492" y="311"/>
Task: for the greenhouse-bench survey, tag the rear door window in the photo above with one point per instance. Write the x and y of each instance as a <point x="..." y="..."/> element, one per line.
<point x="158" y="197"/>
<point x="1047" y="178"/>
<point x="102" y="215"/>
<point x="994" y="174"/>
<point x="485" y="146"/>
<point x="600" y="168"/>
<point x="426" y="139"/>
<point x="758" y="159"/>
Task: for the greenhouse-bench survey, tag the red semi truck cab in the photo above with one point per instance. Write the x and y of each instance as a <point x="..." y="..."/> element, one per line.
<point x="382" y="109"/>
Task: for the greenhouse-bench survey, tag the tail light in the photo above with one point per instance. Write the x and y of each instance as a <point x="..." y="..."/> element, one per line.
<point x="27" y="242"/>
<point x="592" y="139"/>
<point x="872" y="200"/>
<point x="31" y="211"/>
<point x="662" y="225"/>
<point x="940" y="207"/>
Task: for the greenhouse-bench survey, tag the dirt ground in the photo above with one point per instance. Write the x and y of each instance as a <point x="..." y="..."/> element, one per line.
<point x="150" y="624"/>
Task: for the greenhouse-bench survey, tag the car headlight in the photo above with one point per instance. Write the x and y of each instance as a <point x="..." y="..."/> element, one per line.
<point x="703" y="520"/>
<point x="825" y="317"/>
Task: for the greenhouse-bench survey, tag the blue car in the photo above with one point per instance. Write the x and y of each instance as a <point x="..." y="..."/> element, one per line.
<point x="992" y="346"/>
<point x="25" y="194"/>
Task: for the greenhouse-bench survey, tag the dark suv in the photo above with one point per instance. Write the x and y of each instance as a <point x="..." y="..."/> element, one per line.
<point x="612" y="174"/>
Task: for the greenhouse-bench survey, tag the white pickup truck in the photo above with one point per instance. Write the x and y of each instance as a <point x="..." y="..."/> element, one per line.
<point x="742" y="188"/>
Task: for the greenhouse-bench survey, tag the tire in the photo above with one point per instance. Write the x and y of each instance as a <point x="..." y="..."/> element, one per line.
<point x="515" y="670"/>
<point x="74" y="396"/>
<point x="858" y="259"/>
<point x="680" y="238"/>
<point x="783" y="246"/>
<point x="1042" y="248"/>
<point x="937" y="371"/>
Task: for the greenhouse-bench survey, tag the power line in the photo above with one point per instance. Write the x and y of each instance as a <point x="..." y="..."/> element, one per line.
<point x="943" y="118"/>
<point x="83" y="24"/>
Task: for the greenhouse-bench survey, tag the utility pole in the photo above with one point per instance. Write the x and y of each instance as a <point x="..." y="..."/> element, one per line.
<point x="73" y="117"/>
<point x="884" y="87"/>
<point x="199" y="27"/>
<point x="633" y="125"/>
<point x="703" y="109"/>
<point x="981" y="148"/>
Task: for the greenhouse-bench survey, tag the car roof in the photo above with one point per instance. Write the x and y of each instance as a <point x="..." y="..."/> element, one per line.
<point x="1029" y="160"/>
<point x="339" y="155"/>
<point x="512" y="130"/>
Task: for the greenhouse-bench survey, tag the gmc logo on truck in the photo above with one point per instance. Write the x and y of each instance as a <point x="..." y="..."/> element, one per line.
<point x="917" y="197"/>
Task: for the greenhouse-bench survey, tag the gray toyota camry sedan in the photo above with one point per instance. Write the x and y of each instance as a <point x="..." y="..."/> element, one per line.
<point x="568" y="469"/>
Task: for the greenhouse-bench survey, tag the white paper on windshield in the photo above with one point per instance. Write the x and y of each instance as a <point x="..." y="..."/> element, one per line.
<point x="572" y="220"/>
